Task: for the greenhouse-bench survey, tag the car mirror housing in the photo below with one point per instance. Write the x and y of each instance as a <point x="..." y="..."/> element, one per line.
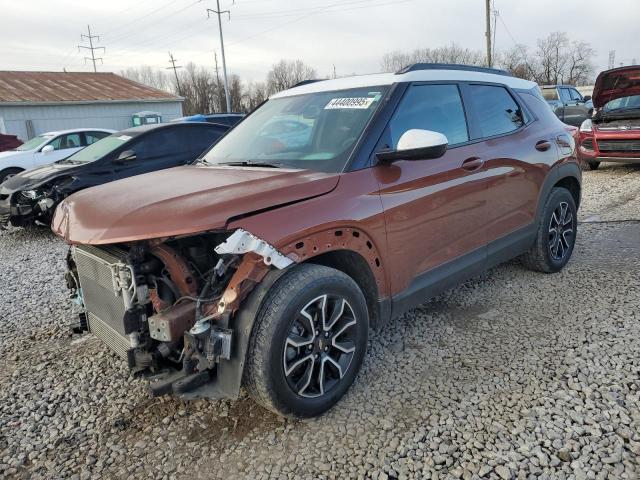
<point x="586" y="98"/>
<point x="47" y="149"/>
<point x="126" y="156"/>
<point x="416" y="144"/>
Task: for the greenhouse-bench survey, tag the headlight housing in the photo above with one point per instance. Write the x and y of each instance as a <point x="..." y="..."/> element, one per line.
<point x="587" y="126"/>
<point x="32" y="194"/>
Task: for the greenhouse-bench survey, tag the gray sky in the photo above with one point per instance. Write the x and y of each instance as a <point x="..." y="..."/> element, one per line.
<point x="350" y="34"/>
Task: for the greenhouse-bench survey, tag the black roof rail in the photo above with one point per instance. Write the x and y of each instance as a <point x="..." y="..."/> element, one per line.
<point x="305" y="82"/>
<point x="452" y="66"/>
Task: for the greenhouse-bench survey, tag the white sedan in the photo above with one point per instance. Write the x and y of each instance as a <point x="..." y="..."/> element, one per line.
<point x="48" y="148"/>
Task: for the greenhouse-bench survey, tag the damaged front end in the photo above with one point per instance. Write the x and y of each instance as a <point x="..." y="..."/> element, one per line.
<point x="168" y="307"/>
<point x="28" y="207"/>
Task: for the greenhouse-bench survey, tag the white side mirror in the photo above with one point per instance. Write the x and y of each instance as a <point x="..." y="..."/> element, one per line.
<point x="47" y="148"/>
<point x="416" y="144"/>
<point x="415" y="139"/>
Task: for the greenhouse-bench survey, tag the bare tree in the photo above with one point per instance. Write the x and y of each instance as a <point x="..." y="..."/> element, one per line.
<point x="518" y="61"/>
<point x="149" y="76"/>
<point x="255" y="94"/>
<point x="204" y="92"/>
<point x="560" y="60"/>
<point x="394" y="61"/>
<point x="285" y="74"/>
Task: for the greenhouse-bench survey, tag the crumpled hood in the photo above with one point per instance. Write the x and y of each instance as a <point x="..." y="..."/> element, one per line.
<point x="38" y="176"/>
<point x="616" y="83"/>
<point x="180" y="201"/>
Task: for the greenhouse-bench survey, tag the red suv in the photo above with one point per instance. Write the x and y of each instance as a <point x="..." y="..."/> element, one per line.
<point x="334" y="207"/>
<point x="613" y="134"/>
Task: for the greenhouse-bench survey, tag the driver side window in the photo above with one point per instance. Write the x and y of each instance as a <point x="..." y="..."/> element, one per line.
<point x="71" y="140"/>
<point x="431" y="107"/>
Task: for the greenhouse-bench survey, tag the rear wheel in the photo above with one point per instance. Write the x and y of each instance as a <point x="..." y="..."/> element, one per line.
<point x="593" y="165"/>
<point x="8" y="173"/>
<point x="556" y="234"/>
<point x="308" y="341"/>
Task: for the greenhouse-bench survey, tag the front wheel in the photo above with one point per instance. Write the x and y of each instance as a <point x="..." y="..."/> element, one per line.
<point x="593" y="165"/>
<point x="556" y="235"/>
<point x="308" y="341"/>
<point x="7" y="173"/>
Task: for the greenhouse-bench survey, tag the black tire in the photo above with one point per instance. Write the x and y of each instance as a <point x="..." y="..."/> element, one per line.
<point x="593" y="165"/>
<point x="542" y="257"/>
<point x="281" y="319"/>
<point x="9" y="172"/>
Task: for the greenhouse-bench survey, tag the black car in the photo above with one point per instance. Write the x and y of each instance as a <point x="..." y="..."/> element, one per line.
<point x="568" y="103"/>
<point x="32" y="196"/>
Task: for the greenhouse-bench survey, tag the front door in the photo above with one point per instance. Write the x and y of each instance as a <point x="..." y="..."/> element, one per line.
<point x="575" y="110"/>
<point x="433" y="207"/>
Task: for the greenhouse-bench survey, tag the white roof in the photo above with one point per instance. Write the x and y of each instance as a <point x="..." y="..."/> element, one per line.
<point x="74" y="130"/>
<point x="427" y="75"/>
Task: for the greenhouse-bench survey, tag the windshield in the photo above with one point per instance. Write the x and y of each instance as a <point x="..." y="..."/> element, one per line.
<point x="621" y="103"/>
<point x="99" y="149"/>
<point x="314" y="131"/>
<point x="34" y="143"/>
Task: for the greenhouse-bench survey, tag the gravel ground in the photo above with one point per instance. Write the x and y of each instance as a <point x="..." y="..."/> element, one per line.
<point x="512" y="375"/>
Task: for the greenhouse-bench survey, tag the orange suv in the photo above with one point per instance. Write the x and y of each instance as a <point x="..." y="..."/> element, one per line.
<point x="334" y="207"/>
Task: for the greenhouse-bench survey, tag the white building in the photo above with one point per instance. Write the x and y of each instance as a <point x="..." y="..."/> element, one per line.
<point x="32" y="103"/>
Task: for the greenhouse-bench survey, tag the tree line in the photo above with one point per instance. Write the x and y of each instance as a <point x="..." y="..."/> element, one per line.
<point x="556" y="59"/>
<point x="203" y="89"/>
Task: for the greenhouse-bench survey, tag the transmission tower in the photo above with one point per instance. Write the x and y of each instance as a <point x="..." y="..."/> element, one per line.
<point x="91" y="47"/>
<point x="219" y="13"/>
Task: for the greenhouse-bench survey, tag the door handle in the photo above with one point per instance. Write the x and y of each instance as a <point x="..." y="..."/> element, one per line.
<point x="472" y="163"/>
<point x="543" y="145"/>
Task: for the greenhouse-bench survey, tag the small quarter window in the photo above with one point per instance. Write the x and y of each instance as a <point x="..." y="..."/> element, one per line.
<point x="497" y="111"/>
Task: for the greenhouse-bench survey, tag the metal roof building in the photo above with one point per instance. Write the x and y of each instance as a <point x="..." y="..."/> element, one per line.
<point x="35" y="102"/>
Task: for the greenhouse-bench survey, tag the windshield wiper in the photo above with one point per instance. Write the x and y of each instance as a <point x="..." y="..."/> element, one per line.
<point x="251" y="164"/>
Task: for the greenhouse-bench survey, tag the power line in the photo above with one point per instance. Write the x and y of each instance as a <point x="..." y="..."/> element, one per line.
<point x="91" y="47"/>
<point x="175" y="71"/>
<point x="224" y="63"/>
<point x="136" y="28"/>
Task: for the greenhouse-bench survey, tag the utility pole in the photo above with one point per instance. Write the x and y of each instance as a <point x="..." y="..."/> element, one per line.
<point x="175" y="71"/>
<point x="91" y="47"/>
<point x="488" y="32"/>
<point x="215" y="59"/>
<point x="224" y="63"/>
<point x="612" y="59"/>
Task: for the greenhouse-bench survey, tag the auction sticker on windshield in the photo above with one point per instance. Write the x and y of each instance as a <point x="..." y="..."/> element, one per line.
<point x="353" y="102"/>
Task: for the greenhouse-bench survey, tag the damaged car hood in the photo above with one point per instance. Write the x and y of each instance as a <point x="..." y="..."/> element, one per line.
<point x="39" y="176"/>
<point x="181" y="201"/>
<point x="616" y="83"/>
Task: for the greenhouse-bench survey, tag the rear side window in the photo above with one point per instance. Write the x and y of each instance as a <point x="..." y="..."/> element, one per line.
<point x="497" y="111"/>
<point x="550" y="93"/>
<point x="431" y="107"/>
<point x="93" y="137"/>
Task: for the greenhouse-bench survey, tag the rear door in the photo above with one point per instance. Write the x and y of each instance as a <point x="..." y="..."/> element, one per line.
<point x="433" y="207"/>
<point x="516" y="152"/>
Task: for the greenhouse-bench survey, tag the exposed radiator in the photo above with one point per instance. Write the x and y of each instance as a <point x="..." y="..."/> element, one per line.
<point x="105" y="307"/>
